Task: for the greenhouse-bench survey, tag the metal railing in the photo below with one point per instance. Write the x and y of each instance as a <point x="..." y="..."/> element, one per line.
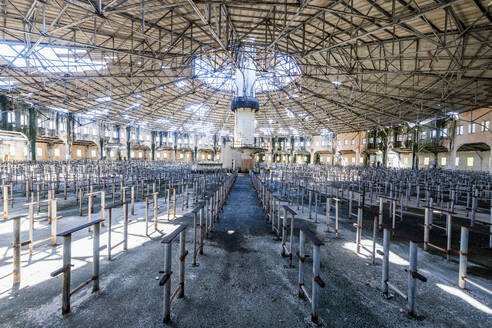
<point x="413" y="274"/>
<point x="66" y="269"/>
<point x="166" y="278"/>
<point x="317" y="282"/>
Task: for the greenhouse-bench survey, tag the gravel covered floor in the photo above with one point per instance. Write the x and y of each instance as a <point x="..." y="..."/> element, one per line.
<point x="242" y="281"/>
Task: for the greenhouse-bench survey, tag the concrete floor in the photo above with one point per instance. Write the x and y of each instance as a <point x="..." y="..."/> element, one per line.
<point x="242" y="281"/>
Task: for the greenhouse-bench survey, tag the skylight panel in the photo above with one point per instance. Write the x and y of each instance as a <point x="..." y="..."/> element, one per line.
<point x="59" y="109"/>
<point x="197" y="109"/>
<point x="7" y="51"/>
<point x="133" y="106"/>
<point x="289" y="113"/>
<point x="49" y="59"/>
<point x="96" y="113"/>
<point x="49" y="54"/>
<point x="6" y="84"/>
<point x="162" y="121"/>
<point x="282" y="72"/>
<point x="181" y="84"/>
<point x="103" y="99"/>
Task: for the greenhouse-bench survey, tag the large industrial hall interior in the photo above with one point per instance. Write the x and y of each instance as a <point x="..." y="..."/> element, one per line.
<point x="245" y="163"/>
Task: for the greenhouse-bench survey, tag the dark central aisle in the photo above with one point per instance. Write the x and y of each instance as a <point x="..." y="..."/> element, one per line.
<point x="242" y="215"/>
<point x="240" y="271"/>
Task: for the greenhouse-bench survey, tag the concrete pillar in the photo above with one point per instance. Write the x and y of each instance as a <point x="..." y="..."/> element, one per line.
<point x="175" y="147"/>
<point x="153" y="135"/>
<point x="415" y="147"/>
<point x="70" y="136"/>
<point x="333" y="151"/>
<point x="32" y="133"/>
<point x="49" y="148"/>
<point x="101" y="141"/>
<point x="292" y="160"/>
<point x="4" y="111"/>
<point x="384" y="161"/>
<point x="101" y="148"/>
<point x="194" y="149"/>
<point x="453" y="157"/>
<point x="272" y="150"/>
<point x="215" y="148"/>
<point x="128" y="143"/>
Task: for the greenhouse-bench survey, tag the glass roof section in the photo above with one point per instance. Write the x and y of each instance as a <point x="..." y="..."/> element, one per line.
<point x="273" y="73"/>
<point x="47" y="59"/>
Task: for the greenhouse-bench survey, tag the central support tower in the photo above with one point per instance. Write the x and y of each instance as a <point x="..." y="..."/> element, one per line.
<point x="244" y="104"/>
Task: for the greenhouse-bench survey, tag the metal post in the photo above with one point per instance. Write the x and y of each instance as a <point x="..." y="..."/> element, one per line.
<point x="156" y="208"/>
<point x="109" y="232"/>
<point x="449" y="231"/>
<point x="358" y="234"/>
<point x="393" y="214"/>
<point x="95" y="258"/>
<point x="182" y="256"/>
<point x="374" y="228"/>
<point x="351" y="194"/>
<point x="52" y="205"/>
<point x="291" y="242"/>
<point x="284" y="230"/>
<point x="174" y="203"/>
<point x="302" y="201"/>
<point x="17" y="250"/>
<point x="67" y="256"/>
<point x="201" y="230"/>
<point x="315" y="296"/>
<point x="463" y="257"/>
<point x="89" y="214"/>
<point x="386" y="250"/>
<point x="146" y="215"/>
<point x="5" y="202"/>
<point x="426" y="228"/>
<point x="194" y="239"/>
<point x="412" y="281"/>
<point x="431" y="217"/>
<point x="310" y="203"/>
<point x="316" y="194"/>
<point x="125" y="226"/>
<point x="167" y="285"/>
<point x="473" y="210"/>
<point x="336" y="217"/>
<point x="328" y="210"/>
<point x="168" y="203"/>
<point x="206" y="217"/>
<point x="381" y="212"/>
<point x="301" y="263"/>
<point x="103" y="205"/>
<point x="31" y="227"/>
<point x="133" y="199"/>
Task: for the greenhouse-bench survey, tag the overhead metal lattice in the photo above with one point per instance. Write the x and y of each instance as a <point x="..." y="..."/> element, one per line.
<point x="324" y="66"/>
